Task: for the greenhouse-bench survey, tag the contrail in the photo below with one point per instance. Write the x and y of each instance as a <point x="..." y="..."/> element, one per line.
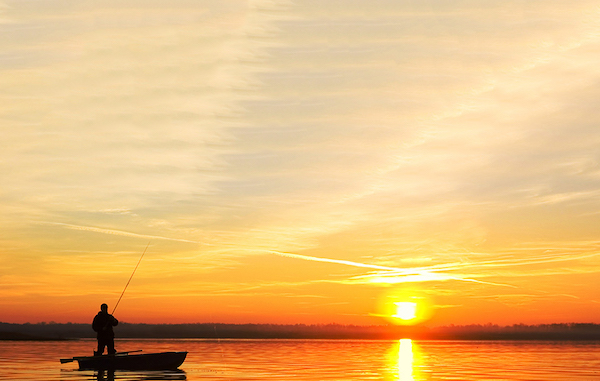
<point x="116" y="232"/>
<point x="420" y="272"/>
<point x="338" y="261"/>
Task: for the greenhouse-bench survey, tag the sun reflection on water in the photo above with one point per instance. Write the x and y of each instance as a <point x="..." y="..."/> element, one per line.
<point x="406" y="360"/>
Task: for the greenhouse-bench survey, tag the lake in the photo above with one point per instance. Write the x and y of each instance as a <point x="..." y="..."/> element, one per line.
<point x="305" y="360"/>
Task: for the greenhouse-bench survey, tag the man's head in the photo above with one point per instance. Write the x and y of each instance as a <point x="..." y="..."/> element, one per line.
<point x="104" y="307"/>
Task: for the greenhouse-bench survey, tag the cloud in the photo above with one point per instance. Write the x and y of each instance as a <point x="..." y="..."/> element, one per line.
<point x="118" y="232"/>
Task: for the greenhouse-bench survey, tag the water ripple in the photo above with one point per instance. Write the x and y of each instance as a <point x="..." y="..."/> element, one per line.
<point x="309" y="360"/>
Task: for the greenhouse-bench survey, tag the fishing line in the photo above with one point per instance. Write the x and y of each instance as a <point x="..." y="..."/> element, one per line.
<point x="136" y="266"/>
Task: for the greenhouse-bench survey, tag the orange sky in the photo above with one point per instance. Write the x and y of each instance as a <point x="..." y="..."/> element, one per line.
<point x="300" y="162"/>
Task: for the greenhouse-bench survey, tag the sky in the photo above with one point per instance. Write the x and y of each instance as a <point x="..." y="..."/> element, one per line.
<point x="300" y="161"/>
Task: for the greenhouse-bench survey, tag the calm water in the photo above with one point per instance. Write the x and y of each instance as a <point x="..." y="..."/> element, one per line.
<point x="305" y="360"/>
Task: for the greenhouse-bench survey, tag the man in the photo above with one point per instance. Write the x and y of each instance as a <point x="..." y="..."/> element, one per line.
<point x="103" y="323"/>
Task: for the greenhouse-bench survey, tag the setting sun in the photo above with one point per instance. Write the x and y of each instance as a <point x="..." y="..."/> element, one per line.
<point x="405" y="310"/>
<point x="405" y="307"/>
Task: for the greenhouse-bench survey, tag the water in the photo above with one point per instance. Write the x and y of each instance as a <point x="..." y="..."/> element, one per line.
<point x="305" y="360"/>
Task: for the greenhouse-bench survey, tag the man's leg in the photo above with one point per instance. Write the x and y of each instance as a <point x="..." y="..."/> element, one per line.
<point x="110" y="346"/>
<point x="101" y="345"/>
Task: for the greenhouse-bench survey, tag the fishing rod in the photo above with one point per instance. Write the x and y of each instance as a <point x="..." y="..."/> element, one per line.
<point x="136" y="266"/>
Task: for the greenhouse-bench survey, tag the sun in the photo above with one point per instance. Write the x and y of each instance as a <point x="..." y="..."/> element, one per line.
<point x="405" y="310"/>
<point x="405" y="307"/>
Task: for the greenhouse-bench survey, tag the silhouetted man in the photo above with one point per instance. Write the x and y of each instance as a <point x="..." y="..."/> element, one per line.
<point x="103" y="323"/>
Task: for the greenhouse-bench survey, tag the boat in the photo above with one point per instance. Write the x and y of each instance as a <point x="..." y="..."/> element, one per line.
<point x="127" y="361"/>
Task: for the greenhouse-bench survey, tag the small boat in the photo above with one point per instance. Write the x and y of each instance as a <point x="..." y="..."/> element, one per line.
<point x="127" y="361"/>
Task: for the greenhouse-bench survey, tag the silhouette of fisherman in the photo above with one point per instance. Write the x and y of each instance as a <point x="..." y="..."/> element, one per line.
<point x="103" y="324"/>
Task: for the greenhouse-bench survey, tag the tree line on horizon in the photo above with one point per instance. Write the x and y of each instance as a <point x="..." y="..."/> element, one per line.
<point x="65" y="331"/>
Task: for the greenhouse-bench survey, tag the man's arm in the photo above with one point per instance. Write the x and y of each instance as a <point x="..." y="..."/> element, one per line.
<point x="95" y="326"/>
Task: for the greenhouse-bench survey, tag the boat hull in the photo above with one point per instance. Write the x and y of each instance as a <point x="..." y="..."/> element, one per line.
<point x="146" y="361"/>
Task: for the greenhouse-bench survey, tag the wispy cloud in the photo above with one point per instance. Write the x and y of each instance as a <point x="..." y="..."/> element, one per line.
<point x="338" y="261"/>
<point x="117" y="232"/>
<point x="392" y="276"/>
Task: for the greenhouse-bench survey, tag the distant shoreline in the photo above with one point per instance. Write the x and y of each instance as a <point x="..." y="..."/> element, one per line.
<point x="66" y="331"/>
<point x="18" y="336"/>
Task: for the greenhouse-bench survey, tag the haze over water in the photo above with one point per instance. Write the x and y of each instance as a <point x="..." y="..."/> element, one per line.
<point x="311" y="360"/>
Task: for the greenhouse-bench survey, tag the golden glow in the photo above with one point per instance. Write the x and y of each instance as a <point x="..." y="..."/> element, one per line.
<point x="407" y="307"/>
<point x="406" y="310"/>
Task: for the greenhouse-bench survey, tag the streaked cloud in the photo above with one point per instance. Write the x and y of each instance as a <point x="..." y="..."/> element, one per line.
<point x="119" y="232"/>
